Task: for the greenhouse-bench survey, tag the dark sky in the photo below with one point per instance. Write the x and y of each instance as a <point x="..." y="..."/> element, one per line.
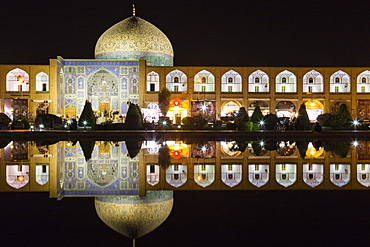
<point x="220" y="33"/>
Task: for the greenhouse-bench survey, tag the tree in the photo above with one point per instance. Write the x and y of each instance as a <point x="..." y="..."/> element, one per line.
<point x="257" y="117"/>
<point x="164" y="157"/>
<point x="303" y="122"/>
<point x="242" y="119"/>
<point x="342" y="118"/>
<point x="164" y="97"/>
<point x="87" y="117"/>
<point x="134" y="118"/>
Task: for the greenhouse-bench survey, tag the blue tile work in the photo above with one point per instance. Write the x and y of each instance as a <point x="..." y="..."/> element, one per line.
<point x="80" y="176"/>
<point x="73" y="81"/>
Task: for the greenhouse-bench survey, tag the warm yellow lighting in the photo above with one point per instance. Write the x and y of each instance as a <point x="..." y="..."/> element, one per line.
<point x="19" y="78"/>
<point x="199" y="177"/>
<point x="20" y="178"/>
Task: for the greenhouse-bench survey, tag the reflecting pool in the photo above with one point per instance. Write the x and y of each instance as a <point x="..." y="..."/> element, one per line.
<point x="213" y="189"/>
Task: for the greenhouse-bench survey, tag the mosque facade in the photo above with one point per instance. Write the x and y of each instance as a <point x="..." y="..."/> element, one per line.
<point x="134" y="61"/>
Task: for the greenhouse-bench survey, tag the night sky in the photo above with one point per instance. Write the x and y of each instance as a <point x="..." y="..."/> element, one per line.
<point x="219" y="33"/>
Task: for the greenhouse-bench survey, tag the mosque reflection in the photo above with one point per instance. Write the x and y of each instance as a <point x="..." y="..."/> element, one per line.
<point x="133" y="181"/>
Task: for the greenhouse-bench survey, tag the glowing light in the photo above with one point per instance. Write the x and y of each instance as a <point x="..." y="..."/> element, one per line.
<point x="204" y="107"/>
<point x="20" y="178"/>
<point x="179" y="126"/>
<point x="199" y="177"/>
<point x="355" y="143"/>
<point x="262" y="122"/>
<point x="164" y="122"/>
<point x="262" y="143"/>
<point x="356" y="122"/>
<point x="41" y="126"/>
<point x="84" y="122"/>
<point x="204" y="149"/>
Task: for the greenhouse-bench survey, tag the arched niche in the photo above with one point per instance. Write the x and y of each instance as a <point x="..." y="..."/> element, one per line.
<point x="102" y="89"/>
<point x="177" y="81"/>
<point x="231" y="82"/>
<point x="286" y="82"/>
<point x="314" y="108"/>
<point x="258" y="174"/>
<point x="258" y="82"/>
<point x="313" y="174"/>
<point x="340" y="174"/>
<point x="230" y="108"/>
<point x="340" y="82"/>
<point x="285" y="109"/>
<point x="313" y="82"/>
<point x="152" y="82"/>
<point x="363" y="82"/>
<point x="231" y="174"/>
<point x="227" y="148"/>
<point x="204" y="82"/>
<point x="177" y="175"/>
<point x="286" y="148"/>
<point x="152" y="174"/>
<point x="17" y="80"/>
<point x="204" y="174"/>
<point x="42" y="174"/>
<point x="363" y="174"/>
<point x="265" y="109"/>
<point x="42" y="82"/>
<point x="17" y="176"/>
<point x="286" y="174"/>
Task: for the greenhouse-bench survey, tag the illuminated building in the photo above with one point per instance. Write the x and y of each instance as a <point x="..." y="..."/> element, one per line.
<point x="134" y="60"/>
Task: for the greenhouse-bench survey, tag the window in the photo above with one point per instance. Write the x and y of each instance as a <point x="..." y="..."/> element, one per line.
<point x="257" y="80"/>
<point x="310" y="80"/>
<point x="204" y="80"/>
<point x="283" y="80"/>
<point x="230" y="89"/>
<point x="336" y="89"/>
<point x="203" y="168"/>
<point x="42" y="81"/>
<point x="256" y="89"/>
<point x="175" y="88"/>
<point x="336" y="80"/>
<point x="152" y="87"/>
<point x="176" y="79"/>
<point x="152" y="168"/>
<point x="203" y="88"/>
<point x="363" y="80"/>
<point x="230" y="80"/>
<point x="363" y="90"/>
<point x="310" y="89"/>
<point x="283" y="89"/>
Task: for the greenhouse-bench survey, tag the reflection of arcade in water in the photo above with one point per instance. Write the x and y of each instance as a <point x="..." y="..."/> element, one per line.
<point x="133" y="181"/>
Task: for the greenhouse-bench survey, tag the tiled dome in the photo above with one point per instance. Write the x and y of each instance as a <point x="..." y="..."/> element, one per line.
<point x="135" y="38"/>
<point x="133" y="216"/>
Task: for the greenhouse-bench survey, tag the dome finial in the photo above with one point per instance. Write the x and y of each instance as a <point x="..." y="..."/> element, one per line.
<point x="133" y="9"/>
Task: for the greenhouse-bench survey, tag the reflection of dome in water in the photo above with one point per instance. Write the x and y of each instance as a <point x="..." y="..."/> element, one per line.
<point x="135" y="38"/>
<point x="132" y="216"/>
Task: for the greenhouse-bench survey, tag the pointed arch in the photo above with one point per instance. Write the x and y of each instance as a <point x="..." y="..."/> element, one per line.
<point x="177" y="81"/>
<point x="17" y="80"/>
<point x="231" y="174"/>
<point x="313" y="82"/>
<point x="152" y="82"/>
<point x="286" y="82"/>
<point x="363" y="82"/>
<point x="42" y="82"/>
<point x="231" y="82"/>
<point x="258" y="174"/>
<point x="258" y="82"/>
<point x="340" y="82"/>
<point x="204" y="81"/>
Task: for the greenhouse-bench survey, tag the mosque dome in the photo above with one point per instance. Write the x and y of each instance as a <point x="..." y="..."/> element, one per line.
<point x="133" y="216"/>
<point x="134" y="39"/>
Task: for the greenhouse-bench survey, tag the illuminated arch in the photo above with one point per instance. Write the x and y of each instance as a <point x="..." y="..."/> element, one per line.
<point x="231" y="82"/>
<point x="17" y="80"/>
<point x="286" y="82"/>
<point x="42" y="82"/>
<point x="340" y="174"/>
<point x="152" y="82"/>
<point x="258" y="82"/>
<point x="177" y="175"/>
<point x="258" y="174"/>
<point x="230" y="107"/>
<point x="363" y="174"/>
<point x="340" y="82"/>
<point x="285" y="109"/>
<point x="231" y="174"/>
<point x="286" y="174"/>
<point x="314" y="108"/>
<point x="177" y="81"/>
<point x="152" y="174"/>
<point x="313" y="174"/>
<point x="17" y="176"/>
<point x="204" y="175"/>
<point x="363" y="82"/>
<point x="204" y="81"/>
<point x="313" y="82"/>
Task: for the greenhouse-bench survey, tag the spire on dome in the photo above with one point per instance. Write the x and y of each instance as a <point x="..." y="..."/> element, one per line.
<point x="133" y="9"/>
